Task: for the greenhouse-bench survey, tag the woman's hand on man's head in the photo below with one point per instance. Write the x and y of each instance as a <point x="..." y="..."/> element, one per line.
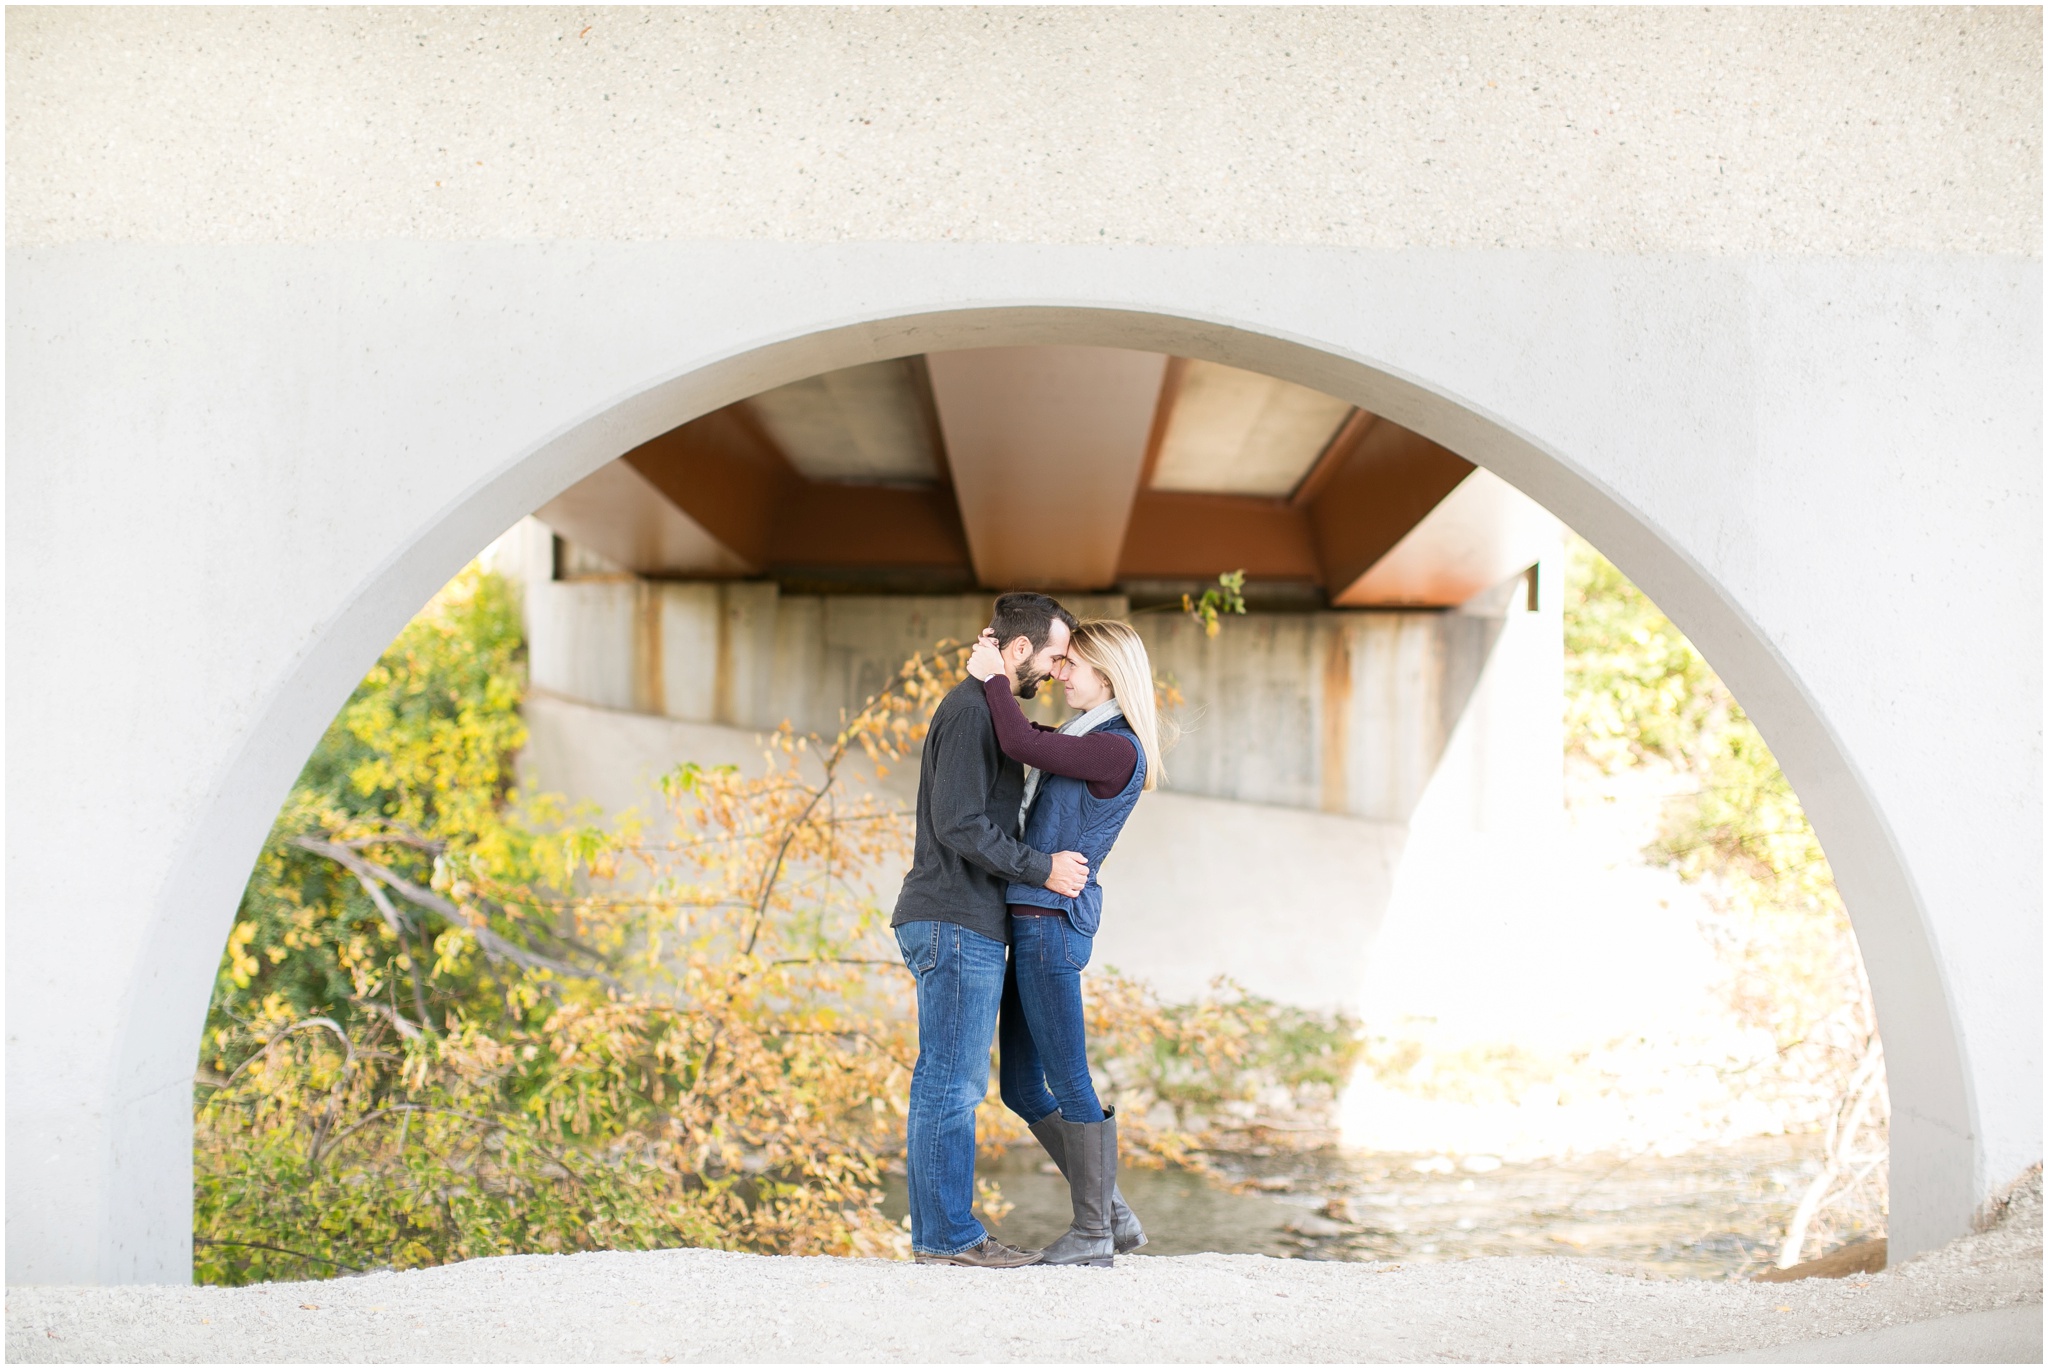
<point x="987" y="660"/>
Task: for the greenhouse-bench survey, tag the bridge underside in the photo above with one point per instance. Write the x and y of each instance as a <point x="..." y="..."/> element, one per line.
<point x="1063" y="468"/>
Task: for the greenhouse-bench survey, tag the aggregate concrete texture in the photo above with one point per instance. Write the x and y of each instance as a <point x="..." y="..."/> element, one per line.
<point x="1999" y="1335"/>
<point x="1833" y="131"/>
<point x="1981" y="1295"/>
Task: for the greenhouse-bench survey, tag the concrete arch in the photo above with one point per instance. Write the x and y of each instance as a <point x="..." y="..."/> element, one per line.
<point x="138" y="1185"/>
<point x="1926" y="1067"/>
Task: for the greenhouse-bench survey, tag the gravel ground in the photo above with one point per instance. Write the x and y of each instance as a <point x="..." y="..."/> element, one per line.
<point x="707" y="1305"/>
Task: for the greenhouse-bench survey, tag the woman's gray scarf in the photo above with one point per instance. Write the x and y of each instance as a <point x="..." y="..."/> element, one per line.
<point x="1073" y="727"/>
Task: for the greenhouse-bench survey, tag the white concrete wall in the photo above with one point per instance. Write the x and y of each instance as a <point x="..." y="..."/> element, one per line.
<point x="1345" y="712"/>
<point x="1232" y="869"/>
<point x="1285" y="902"/>
<point x="1767" y="333"/>
<point x="287" y="520"/>
<point x="1500" y="773"/>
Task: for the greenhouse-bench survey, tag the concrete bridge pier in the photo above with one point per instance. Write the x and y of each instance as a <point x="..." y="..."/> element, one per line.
<point x="1312" y="737"/>
<point x="307" y="306"/>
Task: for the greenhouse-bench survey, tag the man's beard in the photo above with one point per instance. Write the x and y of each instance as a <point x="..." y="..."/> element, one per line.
<point x="1028" y="681"/>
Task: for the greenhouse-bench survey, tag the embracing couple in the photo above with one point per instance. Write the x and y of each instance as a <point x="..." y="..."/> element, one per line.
<point x="998" y="915"/>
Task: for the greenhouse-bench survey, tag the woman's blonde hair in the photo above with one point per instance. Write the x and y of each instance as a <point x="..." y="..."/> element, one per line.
<point x="1114" y="650"/>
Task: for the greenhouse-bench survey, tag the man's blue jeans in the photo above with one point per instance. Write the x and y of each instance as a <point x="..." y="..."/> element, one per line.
<point x="1044" y="1050"/>
<point x="959" y="987"/>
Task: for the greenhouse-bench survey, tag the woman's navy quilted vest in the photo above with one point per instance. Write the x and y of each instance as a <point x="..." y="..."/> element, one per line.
<point x="1066" y="817"/>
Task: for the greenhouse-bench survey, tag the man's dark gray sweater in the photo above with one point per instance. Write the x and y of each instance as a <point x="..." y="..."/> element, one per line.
<point x="967" y="848"/>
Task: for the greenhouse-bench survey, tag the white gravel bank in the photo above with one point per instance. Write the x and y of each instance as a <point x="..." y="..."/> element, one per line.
<point x="687" y="1305"/>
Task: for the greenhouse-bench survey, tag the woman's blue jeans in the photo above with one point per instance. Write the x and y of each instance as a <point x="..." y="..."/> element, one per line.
<point x="959" y="983"/>
<point x="1042" y="1034"/>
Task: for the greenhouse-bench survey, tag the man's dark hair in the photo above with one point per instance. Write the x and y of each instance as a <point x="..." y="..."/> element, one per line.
<point x="1028" y="615"/>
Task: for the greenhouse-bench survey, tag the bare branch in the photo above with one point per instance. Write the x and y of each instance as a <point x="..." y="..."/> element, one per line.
<point x="275" y="1041"/>
<point x="494" y="946"/>
<point x="392" y="918"/>
<point x="401" y="838"/>
<point x="842" y="1034"/>
<point x="259" y="1245"/>
<point x="399" y="926"/>
<point x="391" y="1015"/>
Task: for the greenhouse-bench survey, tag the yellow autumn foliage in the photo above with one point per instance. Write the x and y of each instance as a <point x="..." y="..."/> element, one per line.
<point x="455" y="1019"/>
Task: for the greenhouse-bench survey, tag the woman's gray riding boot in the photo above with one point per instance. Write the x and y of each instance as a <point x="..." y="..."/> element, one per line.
<point x="1123" y="1223"/>
<point x="1091" y="1175"/>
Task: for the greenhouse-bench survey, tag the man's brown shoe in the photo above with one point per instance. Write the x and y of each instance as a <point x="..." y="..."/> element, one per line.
<point x="990" y="1254"/>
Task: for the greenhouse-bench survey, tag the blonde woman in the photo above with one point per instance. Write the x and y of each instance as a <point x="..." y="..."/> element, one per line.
<point x="1081" y="783"/>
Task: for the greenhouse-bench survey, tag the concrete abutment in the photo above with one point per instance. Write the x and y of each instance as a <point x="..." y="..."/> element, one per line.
<point x="102" y="1120"/>
<point x="1311" y="739"/>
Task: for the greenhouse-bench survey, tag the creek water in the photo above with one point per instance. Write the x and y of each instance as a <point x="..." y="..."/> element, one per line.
<point x="1713" y="1213"/>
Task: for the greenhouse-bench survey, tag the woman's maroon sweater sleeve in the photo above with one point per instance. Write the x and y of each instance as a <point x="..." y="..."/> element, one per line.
<point x="1104" y="759"/>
